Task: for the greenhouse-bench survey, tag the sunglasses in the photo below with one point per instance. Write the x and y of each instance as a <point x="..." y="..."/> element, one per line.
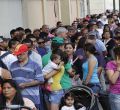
<point x="41" y="42"/>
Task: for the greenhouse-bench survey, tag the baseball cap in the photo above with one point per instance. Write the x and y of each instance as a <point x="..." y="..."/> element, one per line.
<point x="58" y="40"/>
<point x="21" y="48"/>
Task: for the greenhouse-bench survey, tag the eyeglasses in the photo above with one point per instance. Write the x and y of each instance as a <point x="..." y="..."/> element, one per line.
<point x="41" y="42"/>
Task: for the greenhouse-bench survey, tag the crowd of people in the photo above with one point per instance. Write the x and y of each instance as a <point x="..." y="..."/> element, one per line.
<point x="38" y="67"/>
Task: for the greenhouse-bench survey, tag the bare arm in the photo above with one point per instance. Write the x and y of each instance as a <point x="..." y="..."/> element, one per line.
<point x="113" y="75"/>
<point x="49" y="75"/>
<point x="91" y="65"/>
<point x="30" y="84"/>
<point x="5" y="74"/>
<point x="71" y="72"/>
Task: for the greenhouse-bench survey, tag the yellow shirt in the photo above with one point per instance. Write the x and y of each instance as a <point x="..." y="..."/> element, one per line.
<point x="56" y="80"/>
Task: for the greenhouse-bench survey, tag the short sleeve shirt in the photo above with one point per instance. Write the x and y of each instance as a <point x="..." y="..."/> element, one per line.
<point x="66" y="80"/>
<point x="27" y="73"/>
<point x="114" y="88"/>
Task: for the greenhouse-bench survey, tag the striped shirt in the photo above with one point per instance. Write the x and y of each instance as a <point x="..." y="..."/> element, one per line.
<point x="27" y="73"/>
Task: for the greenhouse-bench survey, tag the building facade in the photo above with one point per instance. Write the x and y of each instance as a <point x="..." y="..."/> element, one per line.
<point x="34" y="13"/>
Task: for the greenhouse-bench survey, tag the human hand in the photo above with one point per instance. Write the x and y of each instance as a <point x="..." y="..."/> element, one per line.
<point x="61" y="63"/>
<point x="76" y="77"/>
<point x="22" y="85"/>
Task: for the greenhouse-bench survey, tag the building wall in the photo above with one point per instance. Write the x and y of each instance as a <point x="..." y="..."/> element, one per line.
<point x="10" y="16"/>
<point x="34" y="13"/>
<point x="97" y="6"/>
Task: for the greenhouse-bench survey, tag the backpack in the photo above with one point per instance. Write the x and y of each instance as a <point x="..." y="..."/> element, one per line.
<point x="4" y="55"/>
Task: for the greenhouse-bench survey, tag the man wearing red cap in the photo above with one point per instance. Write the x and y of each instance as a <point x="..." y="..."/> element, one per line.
<point x="27" y="74"/>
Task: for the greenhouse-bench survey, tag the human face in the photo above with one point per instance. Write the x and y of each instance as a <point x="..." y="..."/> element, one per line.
<point x="46" y="29"/>
<point x="77" y="40"/>
<point x="106" y="35"/>
<point x="69" y="49"/>
<point x="41" y="43"/>
<point x="58" y="60"/>
<point x="22" y="57"/>
<point x="117" y="41"/>
<point x="14" y="46"/>
<point x="34" y="42"/>
<point x="69" y="101"/>
<point x="63" y="35"/>
<point x="8" y="91"/>
<point x="71" y="32"/>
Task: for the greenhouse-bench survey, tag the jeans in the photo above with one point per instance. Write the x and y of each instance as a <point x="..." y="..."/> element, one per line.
<point x="114" y="100"/>
<point x="95" y="87"/>
<point x="55" y="96"/>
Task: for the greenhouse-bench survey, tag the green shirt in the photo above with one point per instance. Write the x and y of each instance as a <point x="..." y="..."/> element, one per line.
<point x="66" y="81"/>
<point x="46" y="58"/>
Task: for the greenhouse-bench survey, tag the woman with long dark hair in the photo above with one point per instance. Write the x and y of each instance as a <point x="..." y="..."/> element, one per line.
<point x="11" y="95"/>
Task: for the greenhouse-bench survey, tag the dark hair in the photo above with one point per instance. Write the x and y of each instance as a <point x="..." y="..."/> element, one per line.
<point x="36" y="30"/>
<point x="69" y="94"/>
<point x="72" y="44"/>
<point x="19" y="29"/>
<point x="81" y="43"/>
<point x="12" y="42"/>
<point x="18" y="99"/>
<point x="27" y="30"/>
<point x="30" y="36"/>
<point x="53" y="30"/>
<point x="65" y="58"/>
<point x="117" y="51"/>
<point x="54" y="56"/>
<point x="27" y="41"/>
<point x="57" y="24"/>
<point x="55" y="46"/>
<point x="105" y="32"/>
<point x="90" y="48"/>
<point x="12" y="31"/>
<point x="75" y="37"/>
<point x="106" y="25"/>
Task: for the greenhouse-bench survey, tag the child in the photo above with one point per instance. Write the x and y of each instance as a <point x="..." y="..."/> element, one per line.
<point x="54" y="64"/>
<point x="68" y="103"/>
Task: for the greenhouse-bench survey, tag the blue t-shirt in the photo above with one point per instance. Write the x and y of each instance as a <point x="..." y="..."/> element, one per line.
<point x="94" y="78"/>
<point x="27" y="73"/>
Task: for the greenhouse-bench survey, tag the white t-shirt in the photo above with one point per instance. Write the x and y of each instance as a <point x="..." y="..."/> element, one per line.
<point x="48" y="68"/>
<point x="68" y="108"/>
<point x="27" y="103"/>
<point x="72" y="108"/>
<point x="9" y="59"/>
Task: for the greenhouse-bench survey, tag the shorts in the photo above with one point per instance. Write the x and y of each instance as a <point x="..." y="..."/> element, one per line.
<point x="55" y="96"/>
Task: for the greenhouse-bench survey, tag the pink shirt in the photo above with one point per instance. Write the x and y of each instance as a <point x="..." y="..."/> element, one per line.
<point x="114" y="88"/>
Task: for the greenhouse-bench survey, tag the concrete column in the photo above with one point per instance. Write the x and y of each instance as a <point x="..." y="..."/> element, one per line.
<point x="59" y="9"/>
<point x="78" y="8"/>
<point x="65" y="11"/>
<point x="44" y="11"/>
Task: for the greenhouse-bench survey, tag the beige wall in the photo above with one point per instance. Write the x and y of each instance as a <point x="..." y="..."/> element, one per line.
<point x="73" y="10"/>
<point x="33" y="13"/>
<point x="70" y="10"/>
<point x="52" y="12"/>
<point x="97" y="6"/>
